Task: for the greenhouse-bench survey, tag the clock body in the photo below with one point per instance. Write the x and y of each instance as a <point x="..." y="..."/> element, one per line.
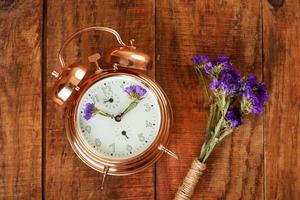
<point x="103" y="139"/>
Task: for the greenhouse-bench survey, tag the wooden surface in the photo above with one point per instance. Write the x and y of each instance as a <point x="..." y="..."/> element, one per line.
<point x="282" y="119"/>
<point x="260" y="161"/>
<point x="20" y="99"/>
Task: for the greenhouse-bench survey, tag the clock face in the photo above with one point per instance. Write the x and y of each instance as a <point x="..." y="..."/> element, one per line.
<point x="118" y="117"/>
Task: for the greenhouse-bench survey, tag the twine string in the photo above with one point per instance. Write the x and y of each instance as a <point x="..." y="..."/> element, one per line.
<point x="186" y="190"/>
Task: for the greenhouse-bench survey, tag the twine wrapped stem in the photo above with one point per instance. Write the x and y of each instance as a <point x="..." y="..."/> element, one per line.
<point x="186" y="190"/>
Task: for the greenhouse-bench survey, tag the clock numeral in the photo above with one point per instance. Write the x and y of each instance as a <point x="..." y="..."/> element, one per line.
<point x="95" y="99"/>
<point x="90" y="141"/>
<point x="113" y="147"/>
<point x="107" y="91"/>
<point x="88" y="128"/>
<point x="147" y="107"/>
<point x="148" y="124"/>
<point x="98" y="142"/>
<point x="141" y="137"/>
<point x="129" y="148"/>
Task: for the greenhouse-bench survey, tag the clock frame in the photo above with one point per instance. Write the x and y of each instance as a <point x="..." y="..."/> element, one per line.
<point x="126" y="166"/>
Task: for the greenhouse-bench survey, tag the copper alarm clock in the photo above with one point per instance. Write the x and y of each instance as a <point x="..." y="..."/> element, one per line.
<point x="117" y="119"/>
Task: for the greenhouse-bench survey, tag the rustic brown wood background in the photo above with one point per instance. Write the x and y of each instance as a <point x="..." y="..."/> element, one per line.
<point x="260" y="161"/>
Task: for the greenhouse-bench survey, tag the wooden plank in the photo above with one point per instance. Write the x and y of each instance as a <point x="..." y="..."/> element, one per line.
<point x="66" y="176"/>
<point x="186" y="28"/>
<point x="20" y="99"/>
<point x="281" y="51"/>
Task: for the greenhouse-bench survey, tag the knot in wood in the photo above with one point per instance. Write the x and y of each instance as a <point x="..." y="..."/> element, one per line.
<point x="276" y="3"/>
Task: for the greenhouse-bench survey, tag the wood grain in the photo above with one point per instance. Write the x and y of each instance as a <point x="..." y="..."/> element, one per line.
<point x="66" y="176"/>
<point x="261" y="159"/>
<point x="20" y="99"/>
<point x="282" y="72"/>
<point x="186" y="28"/>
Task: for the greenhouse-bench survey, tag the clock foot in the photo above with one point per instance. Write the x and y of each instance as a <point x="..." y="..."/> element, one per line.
<point x="104" y="177"/>
<point x="167" y="151"/>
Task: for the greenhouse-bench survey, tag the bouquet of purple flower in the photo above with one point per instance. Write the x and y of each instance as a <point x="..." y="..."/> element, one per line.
<point x="232" y="98"/>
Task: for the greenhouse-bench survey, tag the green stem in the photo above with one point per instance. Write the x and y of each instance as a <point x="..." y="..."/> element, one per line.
<point x="208" y="148"/>
<point x="131" y="106"/>
<point x="219" y="126"/>
<point x="225" y="134"/>
<point x="203" y="151"/>
<point x="212" y="145"/>
<point x="218" y="135"/>
<point x="210" y="119"/>
<point x="201" y="77"/>
<point x="209" y="132"/>
<point x="105" y="114"/>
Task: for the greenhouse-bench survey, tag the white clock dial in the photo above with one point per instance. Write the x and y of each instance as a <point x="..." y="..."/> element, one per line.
<point x="118" y="117"/>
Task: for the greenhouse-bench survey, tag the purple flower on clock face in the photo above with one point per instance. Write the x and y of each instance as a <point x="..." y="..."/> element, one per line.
<point x="88" y="111"/>
<point x="234" y="117"/>
<point x="135" y="91"/>
<point x="140" y="90"/>
<point x="254" y="95"/>
<point x="129" y="89"/>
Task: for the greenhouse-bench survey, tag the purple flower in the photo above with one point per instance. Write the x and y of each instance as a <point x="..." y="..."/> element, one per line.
<point x="230" y="81"/>
<point x="223" y="59"/>
<point x="140" y="90"/>
<point x="234" y="117"/>
<point x="214" y="84"/>
<point x="130" y="89"/>
<point x="203" y="63"/>
<point x="224" y="76"/>
<point x="207" y="67"/>
<point x="200" y="59"/>
<point x="88" y="110"/>
<point x="135" y="91"/>
<point x="254" y="95"/>
<point x="218" y="67"/>
<point x="224" y="62"/>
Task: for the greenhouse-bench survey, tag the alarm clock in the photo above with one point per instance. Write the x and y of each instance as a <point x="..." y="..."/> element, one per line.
<point x="117" y="119"/>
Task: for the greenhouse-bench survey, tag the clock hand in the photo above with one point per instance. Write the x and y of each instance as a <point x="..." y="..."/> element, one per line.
<point x="90" y="110"/>
<point x="130" y="107"/>
<point x="100" y="112"/>
<point x="125" y="134"/>
<point x="110" y="100"/>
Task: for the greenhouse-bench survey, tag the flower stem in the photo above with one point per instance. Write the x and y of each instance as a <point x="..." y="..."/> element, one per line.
<point x="212" y="145"/>
<point x="210" y="120"/>
<point x="105" y="114"/>
<point x="209" y="132"/>
<point x="131" y="106"/>
<point x="201" y="77"/>
<point x="225" y="134"/>
<point x="216" y="136"/>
